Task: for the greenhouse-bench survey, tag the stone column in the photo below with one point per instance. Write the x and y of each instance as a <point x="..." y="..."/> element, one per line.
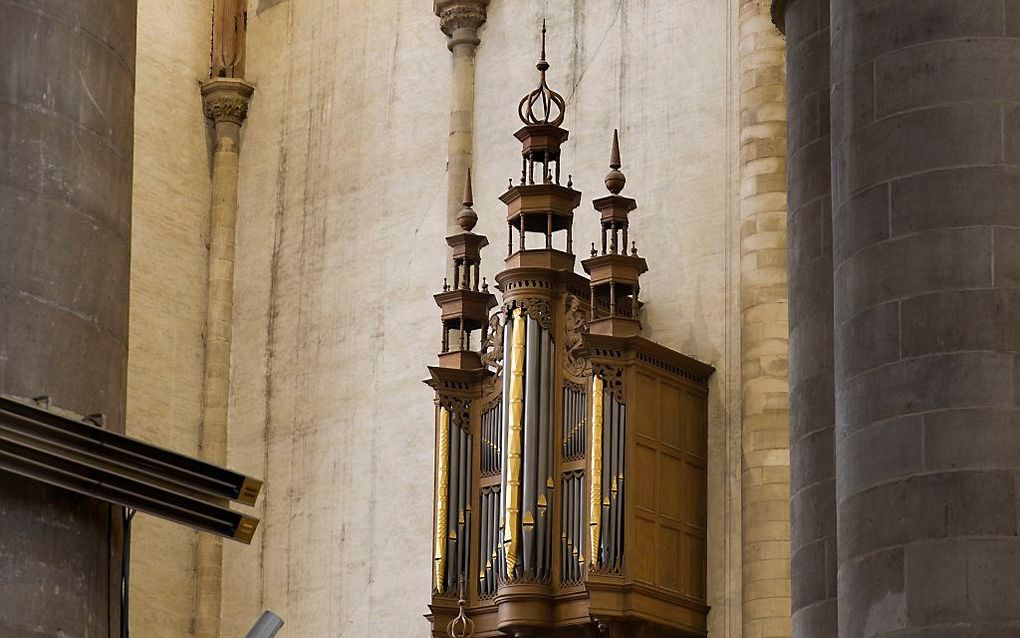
<point x="226" y="104"/>
<point x="765" y="480"/>
<point x="926" y="250"/>
<point x="460" y="20"/>
<point x="812" y="403"/>
<point x="66" y="139"/>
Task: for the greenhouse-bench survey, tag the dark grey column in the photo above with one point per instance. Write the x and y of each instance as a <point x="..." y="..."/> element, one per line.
<point x="926" y="249"/>
<point x="66" y="127"/>
<point x="809" y="229"/>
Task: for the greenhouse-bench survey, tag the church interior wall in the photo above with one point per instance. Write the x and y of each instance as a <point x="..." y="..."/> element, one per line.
<point x="341" y="218"/>
<point x="168" y="297"/>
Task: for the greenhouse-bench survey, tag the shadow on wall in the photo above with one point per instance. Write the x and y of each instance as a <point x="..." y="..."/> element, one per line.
<point x="267" y="4"/>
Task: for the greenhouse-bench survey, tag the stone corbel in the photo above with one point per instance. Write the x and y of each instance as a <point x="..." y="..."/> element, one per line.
<point x="226" y="100"/>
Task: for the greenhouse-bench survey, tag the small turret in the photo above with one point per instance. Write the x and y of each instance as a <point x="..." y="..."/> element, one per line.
<point x="615" y="274"/>
<point x="539" y="204"/>
<point x="466" y="303"/>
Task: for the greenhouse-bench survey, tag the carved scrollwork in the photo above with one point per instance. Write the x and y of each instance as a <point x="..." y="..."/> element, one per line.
<point x="460" y="409"/>
<point x="534" y="307"/>
<point x="612" y="379"/>
<point x="576" y="320"/>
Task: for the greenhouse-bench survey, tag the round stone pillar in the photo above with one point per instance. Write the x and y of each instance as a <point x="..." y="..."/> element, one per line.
<point x="764" y="328"/>
<point x="66" y="137"/>
<point x="926" y="251"/>
<point x="812" y="407"/>
<point x="460" y="21"/>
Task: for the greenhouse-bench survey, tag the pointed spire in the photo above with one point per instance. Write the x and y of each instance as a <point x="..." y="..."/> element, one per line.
<point x="543" y="65"/>
<point x="614" y="160"/>
<point x="468" y="195"/>
<point x="615" y="180"/>
<point x="467" y="218"/>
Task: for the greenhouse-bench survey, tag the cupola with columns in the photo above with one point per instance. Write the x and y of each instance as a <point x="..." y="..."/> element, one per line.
<point x="466" y="301"/>
<point x="614" y="273"/>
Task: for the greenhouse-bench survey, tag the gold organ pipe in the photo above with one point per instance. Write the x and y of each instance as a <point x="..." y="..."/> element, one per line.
<point x="595" y="472"/>
<point x="442" y="492"/>
<point x="513" y="456"/>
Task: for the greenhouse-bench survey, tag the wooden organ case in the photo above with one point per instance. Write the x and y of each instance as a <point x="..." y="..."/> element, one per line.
<point x="570" y="495"/>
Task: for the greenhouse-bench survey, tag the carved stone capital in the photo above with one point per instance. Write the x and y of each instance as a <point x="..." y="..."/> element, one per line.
<point x="226" y="99"/>
<point x="460" y="19"/>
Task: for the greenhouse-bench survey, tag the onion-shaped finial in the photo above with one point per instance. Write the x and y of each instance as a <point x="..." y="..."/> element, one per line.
<point x="543" y="105"/>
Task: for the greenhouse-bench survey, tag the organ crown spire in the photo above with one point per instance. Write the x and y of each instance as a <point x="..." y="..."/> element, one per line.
<point x="550" y="104"/>
<point x="539" y="203"/>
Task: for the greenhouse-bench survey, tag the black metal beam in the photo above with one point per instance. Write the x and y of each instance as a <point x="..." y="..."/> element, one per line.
<point x="78" y="456"/>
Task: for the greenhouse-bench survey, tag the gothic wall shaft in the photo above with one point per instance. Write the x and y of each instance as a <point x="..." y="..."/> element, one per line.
<point x="764" y="327"/>
<point x="926" y="185"/>
<point x="66" y="113"/>
<point x="169" y="239"/>
<point x="812" y="416"/>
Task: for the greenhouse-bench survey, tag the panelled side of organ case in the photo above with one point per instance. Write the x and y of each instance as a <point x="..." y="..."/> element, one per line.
<point x="662" y="568"/>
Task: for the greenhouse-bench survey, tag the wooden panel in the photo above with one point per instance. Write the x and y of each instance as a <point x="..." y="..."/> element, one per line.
<point x="645" y="551"/>
<point x="695" y="424"/>
<point x="693" y="492"/>
<point x="644" y="416"/>
<point x="671" y="421"/>
<point x="694" y="566"/>
<point x="672" y="488"/>
<point x="645" y="473"/>
<point x="670" y="561"/>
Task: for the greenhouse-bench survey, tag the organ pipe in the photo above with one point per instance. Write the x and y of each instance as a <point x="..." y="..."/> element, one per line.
<point x="442" y="477"/>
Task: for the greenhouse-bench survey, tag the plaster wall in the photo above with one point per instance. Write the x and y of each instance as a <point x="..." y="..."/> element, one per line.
<point x="65" y="209"/>
<point x="170" y="227"/>
<point x="342" y="205"/>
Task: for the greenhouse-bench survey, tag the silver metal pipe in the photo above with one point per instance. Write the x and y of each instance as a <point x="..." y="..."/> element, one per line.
<point x="503" y="433"/>
<point x="545" y="436"/>
<point x="465" y="539"/>
<point x="568" y="423"/>
<point x="622" y="477"/>
<point x="610" y="487"/>
<point x="485" y="439"/>
<point x="564" y="537"/>
<point x="453" y="510"/>
<point x="483" y="539"/>
<point x="532" y="383"/>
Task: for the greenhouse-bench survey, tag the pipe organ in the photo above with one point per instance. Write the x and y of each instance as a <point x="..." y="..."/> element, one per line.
<point x="570" y="485"/>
